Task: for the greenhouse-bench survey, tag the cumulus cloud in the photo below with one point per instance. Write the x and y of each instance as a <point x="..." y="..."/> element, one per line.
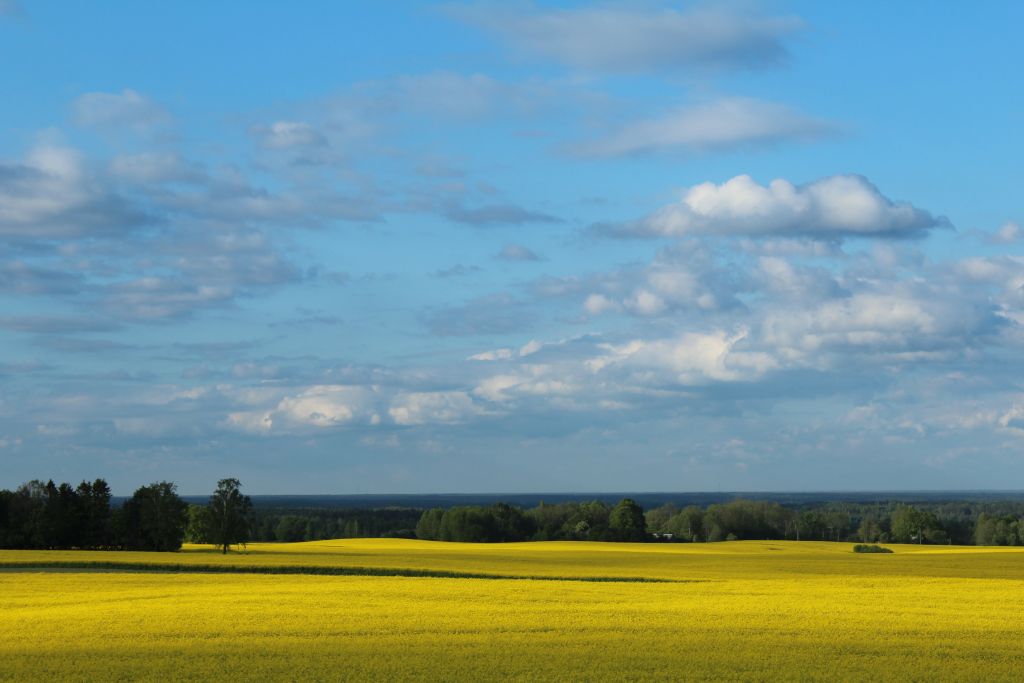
<point x="832" y="207"/>
<point x="496" y="354"/>
<point x="252" y="421"/>
<point x="150" y="298"/>
<point x="527" y="349"/>
<point x="327" y="406"/>
<point x="691" y="359"/>
<point x="200" y="269"/>
<point x="638" y="39"/>
<point x="53" y="194"/>
<point x="715" y="125"/>
<point x="535" y="381"/>
<point x="684" y="277"/>
<point x="1008" y="233"/>
<point x="432" y="407"/>
<point x="302" y="409"/>
<point x="899" y="324"/>
<point x="127" y="109"/>
<point x="287" y="135"/>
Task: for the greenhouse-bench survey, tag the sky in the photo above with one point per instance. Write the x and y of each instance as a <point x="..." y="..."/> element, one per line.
<point x="409" y="247"/>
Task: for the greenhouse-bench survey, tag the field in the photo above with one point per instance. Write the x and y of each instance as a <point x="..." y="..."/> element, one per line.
<point x="574" y="611"/>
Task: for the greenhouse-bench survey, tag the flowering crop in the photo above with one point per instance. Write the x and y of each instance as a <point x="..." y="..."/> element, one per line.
<point x="733" y="611"/>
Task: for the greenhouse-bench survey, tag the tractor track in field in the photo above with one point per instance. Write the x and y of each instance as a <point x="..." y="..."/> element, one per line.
<point x="138" y="567"/>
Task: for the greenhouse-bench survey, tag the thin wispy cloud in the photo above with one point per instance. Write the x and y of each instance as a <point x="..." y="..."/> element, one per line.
<point x="638" y="39"/>
<point x="717" y="125"/>
<point x="126" y="109"/>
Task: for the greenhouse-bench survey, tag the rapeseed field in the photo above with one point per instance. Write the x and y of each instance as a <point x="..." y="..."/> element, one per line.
<point x="729" y="611"/>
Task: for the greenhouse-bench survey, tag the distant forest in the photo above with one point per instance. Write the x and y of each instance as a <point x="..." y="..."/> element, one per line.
<point x="46" y="515"/>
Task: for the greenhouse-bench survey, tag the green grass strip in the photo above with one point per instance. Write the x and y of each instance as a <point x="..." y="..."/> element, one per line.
<point x="319" y="570"/>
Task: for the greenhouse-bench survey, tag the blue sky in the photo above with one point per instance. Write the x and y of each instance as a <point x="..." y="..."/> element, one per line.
<point x="418" y="247"/>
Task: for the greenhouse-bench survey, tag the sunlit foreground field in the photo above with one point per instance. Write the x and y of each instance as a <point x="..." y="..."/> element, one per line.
<point x="730" y="611"/>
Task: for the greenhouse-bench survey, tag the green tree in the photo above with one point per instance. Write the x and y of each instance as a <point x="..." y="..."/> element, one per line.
<point x="154" y="518"/>
<point x="910" y="525"/>
<point x="94" y="501"/>
<point x="195" y="531"/>
<point x="869" y="531"/>
<point x="658" y="518"/>
<point x="429" y="526"/>
<point x="467" y="525"/>
<point x="587" y="520"/>
<point x="687" y="524"/>
<point x="227" y="515"/>
<point x="63" y="516"/>
<point x="626" y="521"/>
<point x="291" y="528"/>
<point x="510" y="523"/>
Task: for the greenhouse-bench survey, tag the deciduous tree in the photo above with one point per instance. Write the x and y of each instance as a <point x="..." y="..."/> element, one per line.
<point x="227" y="515"/>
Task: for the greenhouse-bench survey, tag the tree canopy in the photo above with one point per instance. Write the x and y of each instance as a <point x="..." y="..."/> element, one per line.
<point x="226" y="521"/>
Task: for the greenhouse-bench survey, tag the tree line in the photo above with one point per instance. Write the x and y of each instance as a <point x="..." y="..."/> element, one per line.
<point x="40" y="515"/>
<point x="594" y="521"/>
<point x="48" y="516"/>
<point x="287" y="525"/>
<point x="961" y="523"/>
<point x="933" y="523"/>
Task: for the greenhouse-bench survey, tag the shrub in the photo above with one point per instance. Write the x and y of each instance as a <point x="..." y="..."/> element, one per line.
<point x="870" y="548"/>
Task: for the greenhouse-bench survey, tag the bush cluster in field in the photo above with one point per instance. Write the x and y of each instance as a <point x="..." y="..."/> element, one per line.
<point x="870" y="548"/>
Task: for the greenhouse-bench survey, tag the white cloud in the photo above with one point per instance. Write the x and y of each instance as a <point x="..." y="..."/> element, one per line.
<point x="627" y="39"/>
<point x="497" y="354"/>
<point x="271" y="410"/>
<point x="898" y="322"/>
<point x="152" y="298"/>
<point x="832" y="207"/>
<point x="327" y="405"/>
<point x="252" y="421"/>
<point x="691" y="359"/>
<point x="539" y="381"/>
<point x="721" y="124"/>
<point x="645" y="302"/>
<point x="686" y="277"/>
<point x="428" y="407"/>
<point x="494" y="388"/>
<point x="596" y="304"/>
<point x="52" y="194"/>
<point x="531" y="347"/>
<point x="118" y="110"/>
<point x="1008" y="233"/>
